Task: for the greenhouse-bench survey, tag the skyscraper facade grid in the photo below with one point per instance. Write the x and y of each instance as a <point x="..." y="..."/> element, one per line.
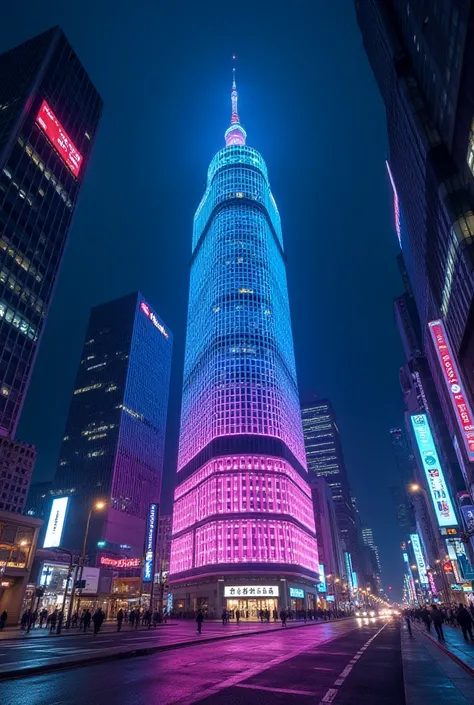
<point x="49" y="115"/>
<point x="242" y="504"/>
<point x="113" y="445"/>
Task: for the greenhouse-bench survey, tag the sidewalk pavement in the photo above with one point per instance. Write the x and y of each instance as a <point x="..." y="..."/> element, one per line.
<point x="454" y="644"/>
<point x="430" y="674"/>
<point x="111" y="627"/>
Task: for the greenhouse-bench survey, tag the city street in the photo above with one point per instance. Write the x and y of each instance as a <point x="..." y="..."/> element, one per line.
<point x="349" y="662"/>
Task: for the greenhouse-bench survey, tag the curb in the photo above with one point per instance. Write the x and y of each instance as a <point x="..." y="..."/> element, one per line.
<point x="455" y="658"/>
<point x="145" y="651"/>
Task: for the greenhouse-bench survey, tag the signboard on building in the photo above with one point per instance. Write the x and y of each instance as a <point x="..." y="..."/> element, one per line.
<point x="452" y="379"/>
<point x="120" y="562"/>
<point x="56" y="521"/>
<point x="58" y="137"/>
<point x="468" y="516"/>
<point x="150" y="542"/>
<point x="251" y="591"/>
<point x="438" y="488"/>
<point x="90" y="578"/>
<point x="297" y="592"/>
<point x="322" y="586"/>
<point x="420" y="561"/>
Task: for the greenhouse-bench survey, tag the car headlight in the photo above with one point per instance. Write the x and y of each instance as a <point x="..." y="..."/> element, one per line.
<point x="364" y="614"/>
<point x="357" y="614"/>
<point x="372" y="613"/>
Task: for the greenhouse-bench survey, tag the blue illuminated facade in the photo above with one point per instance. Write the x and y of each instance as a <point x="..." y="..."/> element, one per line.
<point x="114" y="441"/>
<point x="242" y="501"/>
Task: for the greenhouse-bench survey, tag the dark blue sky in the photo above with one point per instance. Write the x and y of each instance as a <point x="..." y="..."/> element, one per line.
<point x="309" y="103"/>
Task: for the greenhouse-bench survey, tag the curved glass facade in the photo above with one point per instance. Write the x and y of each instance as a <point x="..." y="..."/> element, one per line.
<point x="240" y="382"/>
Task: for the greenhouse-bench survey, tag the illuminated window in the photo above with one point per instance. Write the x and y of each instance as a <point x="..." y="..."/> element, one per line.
<point x="98" y="385"/>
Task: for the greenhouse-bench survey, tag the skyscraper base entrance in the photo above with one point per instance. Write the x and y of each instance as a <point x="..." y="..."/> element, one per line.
<point x="250" y="609"/>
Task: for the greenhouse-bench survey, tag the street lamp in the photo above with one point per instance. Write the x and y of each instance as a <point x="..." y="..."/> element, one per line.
<point x="97" y="506"/>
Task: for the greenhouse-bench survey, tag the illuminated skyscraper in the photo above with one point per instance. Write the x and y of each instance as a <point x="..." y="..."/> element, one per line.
<point x="49" y="115"/>
<point x="114" y="440"/>
<point x="242" y="505"/>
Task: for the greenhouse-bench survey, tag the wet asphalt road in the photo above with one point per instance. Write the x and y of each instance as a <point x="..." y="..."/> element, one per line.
<point x="345" y="663"/>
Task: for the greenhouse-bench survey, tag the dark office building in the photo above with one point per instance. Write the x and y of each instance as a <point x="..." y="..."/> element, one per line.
<point x="38" y="500"/>
<point x="422" y="55"/>
<point x="324" y="458"/>
<point x="49" y="114"/>
<point x="114" y="441"/>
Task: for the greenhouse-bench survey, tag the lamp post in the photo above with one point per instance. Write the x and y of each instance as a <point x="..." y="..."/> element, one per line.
<point x="96" y="506"/>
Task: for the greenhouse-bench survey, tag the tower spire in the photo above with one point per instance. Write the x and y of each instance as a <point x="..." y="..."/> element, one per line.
<point x="235" y="134"/>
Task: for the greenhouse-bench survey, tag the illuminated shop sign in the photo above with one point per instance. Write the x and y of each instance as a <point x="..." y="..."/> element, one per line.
<point x="56" y="521"/>
<point x="322" y="587"/>
<point x="442" y="504"/>
<point x="452" y="380"/>
<point x="150" y="543"/>
<point x="420" y="561"/>
<point x="250" y="591"/>
<point x="120" y="562"/>
<point x="297" y="592"/>
<point x="64" y="146"/>
<point x="149" y="314"/>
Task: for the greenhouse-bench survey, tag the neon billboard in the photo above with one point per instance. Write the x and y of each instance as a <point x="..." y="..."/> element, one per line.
<point x="150" y="542"/>
<point x="434" y="474"/>
<point x="56" y="521"/>
<point x="454" y="385"/>
<point x="58" y="137"/>
<point x="420" y="561"/>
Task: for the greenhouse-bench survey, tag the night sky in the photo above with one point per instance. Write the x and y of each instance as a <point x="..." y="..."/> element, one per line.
<point x="310" y="105"/>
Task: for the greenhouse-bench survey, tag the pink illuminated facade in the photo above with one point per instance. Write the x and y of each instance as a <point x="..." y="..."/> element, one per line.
<point x="243" y="510"/>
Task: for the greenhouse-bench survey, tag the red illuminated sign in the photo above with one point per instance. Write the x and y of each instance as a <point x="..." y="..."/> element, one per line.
<point x="149" y="314"/>
<point x="120" y="562"/>
<point x="453" y="383"/>
<point x="448" y="567"/>
<point x="53" y="130"/>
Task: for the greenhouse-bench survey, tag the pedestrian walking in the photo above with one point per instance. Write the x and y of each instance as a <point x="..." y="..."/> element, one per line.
<point x="199" y="619"/>
<point x="438" y="617"/>
<point x="225" y="617"/>
<point x="283" y="617"/>
<point x="465" y="621"/>
<point x="120" y="616"/>
<point x="406" y="616"/>
<point x="98" y="618"/>
<point x="53" y="618"/>
<point x="426" y="619"/>
<point x="86" y="620"/>
<point x="3" y="620"/>
<point x="237" y="616"/>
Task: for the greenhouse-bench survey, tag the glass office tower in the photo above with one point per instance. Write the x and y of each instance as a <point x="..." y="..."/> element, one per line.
<point x="49" y="115"/>
<point x="114" y="441"/>
<point x="243" y="507"/>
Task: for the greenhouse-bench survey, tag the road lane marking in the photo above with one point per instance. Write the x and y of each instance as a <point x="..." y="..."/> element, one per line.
<point x="238" y="678"/>
<point x="288" y="691"/>
<point x="332" y="692"/>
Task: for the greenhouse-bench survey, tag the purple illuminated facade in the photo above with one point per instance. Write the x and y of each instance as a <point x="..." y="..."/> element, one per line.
<point x="243" y="509"/>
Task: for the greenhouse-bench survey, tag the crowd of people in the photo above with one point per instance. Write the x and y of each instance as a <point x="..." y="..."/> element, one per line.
<point x="437" y="616"/>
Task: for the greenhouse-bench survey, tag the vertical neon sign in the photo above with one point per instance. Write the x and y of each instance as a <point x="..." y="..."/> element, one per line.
<point x="453" y="382"/>
<point x="439" y="492"/>
<point x="150" y="541"/>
